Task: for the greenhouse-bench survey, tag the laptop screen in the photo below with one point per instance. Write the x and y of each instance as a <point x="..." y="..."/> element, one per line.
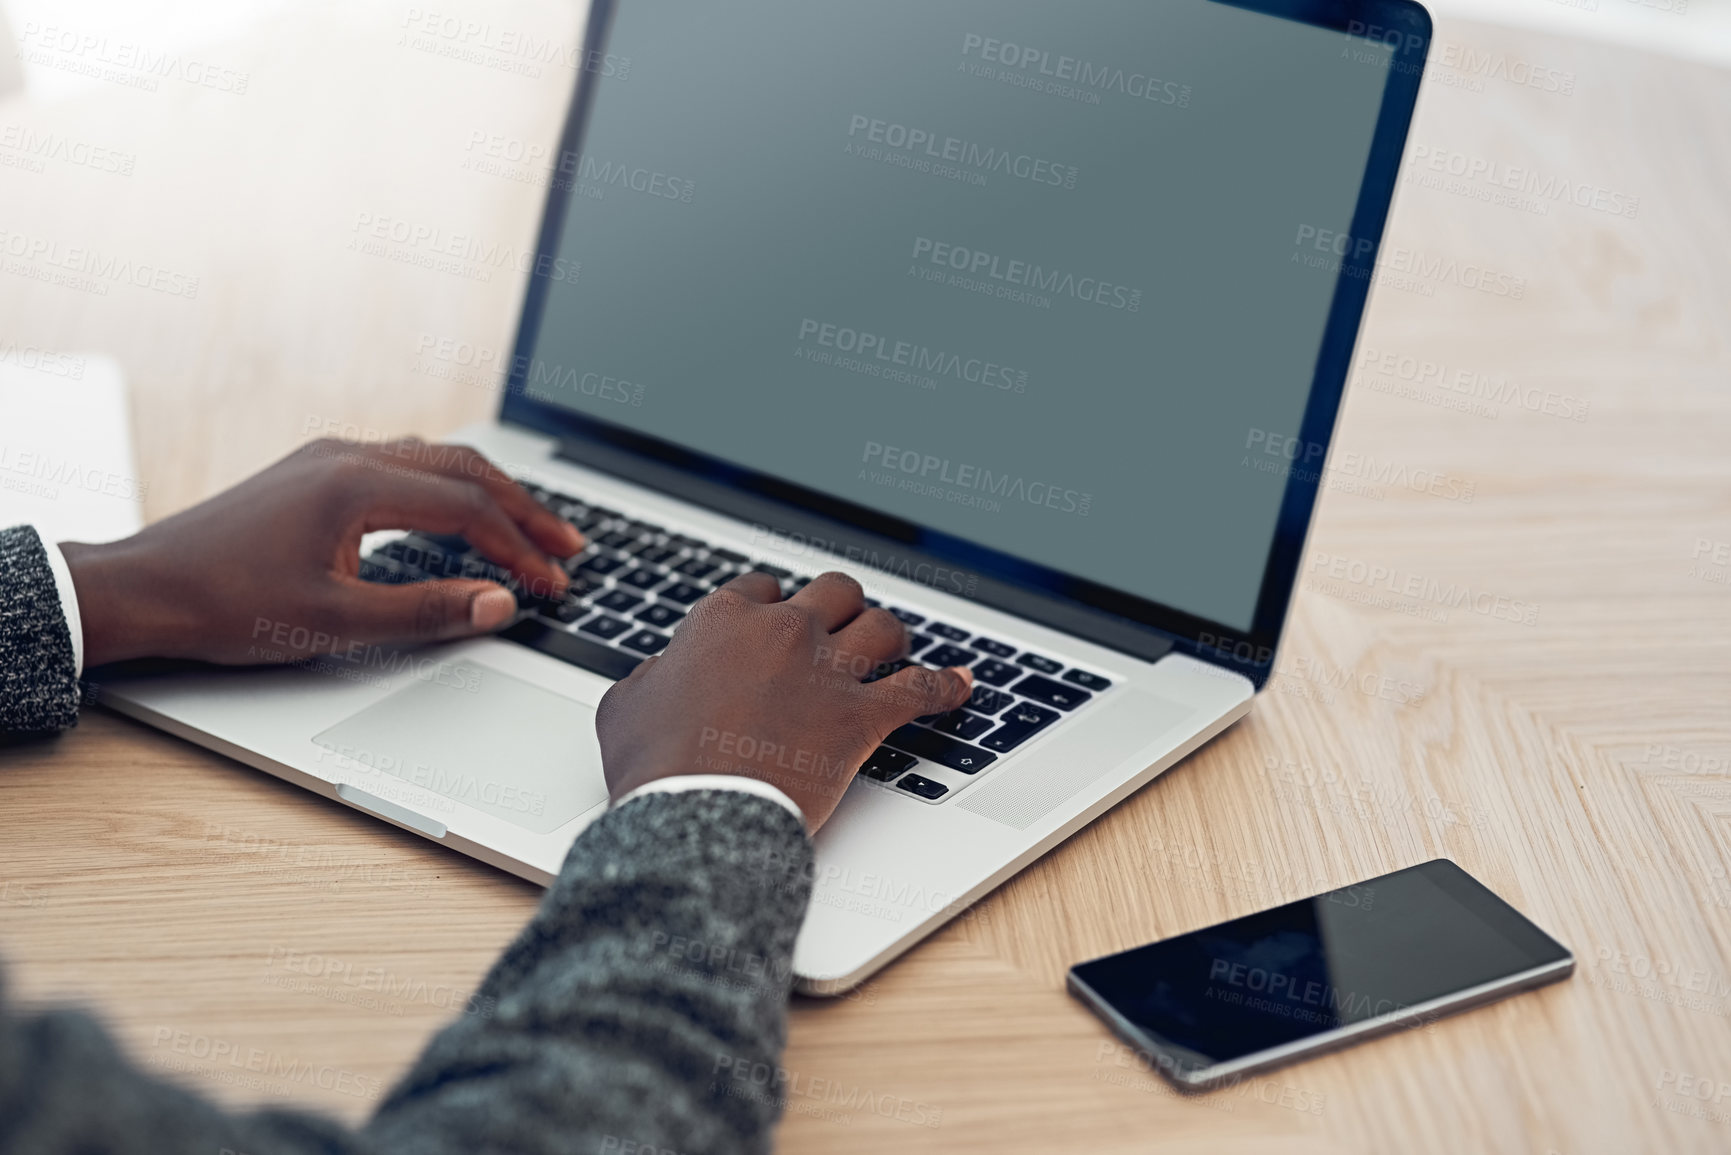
<point x="1051" y="279"/>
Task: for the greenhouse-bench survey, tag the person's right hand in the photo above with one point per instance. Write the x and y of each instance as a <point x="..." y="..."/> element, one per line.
<point x="771" y="689"/>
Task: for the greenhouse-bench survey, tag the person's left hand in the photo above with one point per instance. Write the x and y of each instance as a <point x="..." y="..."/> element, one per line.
<point x="276" y="559"/>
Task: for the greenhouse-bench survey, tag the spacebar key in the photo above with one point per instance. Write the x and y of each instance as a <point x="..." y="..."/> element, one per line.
<point x="591" y="656"/>
<point x="940" y="748"/>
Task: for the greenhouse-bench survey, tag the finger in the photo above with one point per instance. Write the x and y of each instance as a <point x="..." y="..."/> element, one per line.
<point x="424" y="612"/>
<point x="755" y="587"/>
<point x="870" y="640"/>
<point x="832" y="598"/>
<point x="444" y="505"/>
<point x="915" y="692"/>
<point x="541" y="525"/>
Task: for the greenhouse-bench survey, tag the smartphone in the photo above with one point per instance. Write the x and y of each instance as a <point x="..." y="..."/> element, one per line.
<point x="1317" y="974"/>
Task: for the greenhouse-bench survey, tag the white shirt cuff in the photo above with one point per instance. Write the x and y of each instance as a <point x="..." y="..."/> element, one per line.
<point x="679" y="784"/>
<point x="68" y="602"/>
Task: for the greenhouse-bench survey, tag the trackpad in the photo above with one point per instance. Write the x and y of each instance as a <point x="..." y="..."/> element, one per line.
<point x="479" y="737"/>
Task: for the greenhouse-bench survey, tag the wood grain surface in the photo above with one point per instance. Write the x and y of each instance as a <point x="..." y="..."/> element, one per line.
<point x="1564" y="733"/>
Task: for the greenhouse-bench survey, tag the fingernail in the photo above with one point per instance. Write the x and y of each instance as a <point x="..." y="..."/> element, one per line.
<point x="966" y="675"/>
<point x="492" y="609"/>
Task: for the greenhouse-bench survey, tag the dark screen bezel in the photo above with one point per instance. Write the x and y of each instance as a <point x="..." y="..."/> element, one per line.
<point x="1115" y="618"/>
<point x="1495" y="914"/>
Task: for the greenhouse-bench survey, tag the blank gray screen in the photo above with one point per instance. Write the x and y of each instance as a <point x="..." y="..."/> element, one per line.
<point x="1025" y="273"/>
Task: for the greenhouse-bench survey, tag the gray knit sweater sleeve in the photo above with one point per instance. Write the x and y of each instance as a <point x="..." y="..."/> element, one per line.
<point x="656" y="970"/>
<point x="38" y="680"/>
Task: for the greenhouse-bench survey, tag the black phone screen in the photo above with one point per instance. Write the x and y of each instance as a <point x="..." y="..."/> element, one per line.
<point x="1283" y="975"/>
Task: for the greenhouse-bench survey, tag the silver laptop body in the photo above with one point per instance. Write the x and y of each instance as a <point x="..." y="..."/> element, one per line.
<point x="1045" y="350"/>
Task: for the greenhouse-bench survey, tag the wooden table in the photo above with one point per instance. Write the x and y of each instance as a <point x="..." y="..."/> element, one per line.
<point x="1576" y="757"/>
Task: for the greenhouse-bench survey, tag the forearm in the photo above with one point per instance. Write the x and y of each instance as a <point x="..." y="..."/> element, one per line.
<point x="657" y="967"/>
<point x="38" y="672"/>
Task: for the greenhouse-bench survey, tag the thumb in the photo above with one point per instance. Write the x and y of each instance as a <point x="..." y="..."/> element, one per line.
<point x="426" y="611"/>
<point x="918" y="691"/>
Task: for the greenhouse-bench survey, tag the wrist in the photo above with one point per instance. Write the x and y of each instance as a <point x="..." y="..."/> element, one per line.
<point x="120" y="608"/>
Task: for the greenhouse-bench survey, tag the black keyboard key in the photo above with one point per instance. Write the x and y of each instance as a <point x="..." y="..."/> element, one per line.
<point x="996" y="649"/>
<point x="948" y="656"/>
<point x="962" y="724"/>
<point x="657" y="555"/>
<point x="603" y="626"/>
<point x="617" y="540"/>
<point x="587" y="522"/>
<point x="1086" y="680"/>
<point x="885" y="764"/>
<point x="773" y="571"/>
<point x="924" y="787"/>
<point x="729" y="556"/>
<point x="918" y="642"/>
<point x="641" y="579"/>
<point x="996" y="673"/>
<point x="988" y="701"/>
<point x="908" y="617"/>
<point x="644" y="529"/>
<point x="603" y="511"/>
<point x="582" y="585"/>
<point x="569" y="612"/>
<point x="1044" y="665"/>
<point x="646" y="642"/>
<point x="1020" y="724"/>
<point x="687" y="542"/>
<point x="576" y="649"/>
<point x="696" y="568"/>
<point x="941" y="748"/>
<point x="953" y="633"/>
<point x="684" y="593"/>
<point x="619" y="601"/>
<point x="661" y="617"/>
<point x="601" y="565"/>
<point x="1050" y="692"/>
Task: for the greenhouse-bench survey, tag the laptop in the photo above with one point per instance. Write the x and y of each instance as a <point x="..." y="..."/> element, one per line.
<point x="1034" y="318"/>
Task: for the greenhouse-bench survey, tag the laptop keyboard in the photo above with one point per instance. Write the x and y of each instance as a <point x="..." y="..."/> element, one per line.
<point x="635" y="582"/>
